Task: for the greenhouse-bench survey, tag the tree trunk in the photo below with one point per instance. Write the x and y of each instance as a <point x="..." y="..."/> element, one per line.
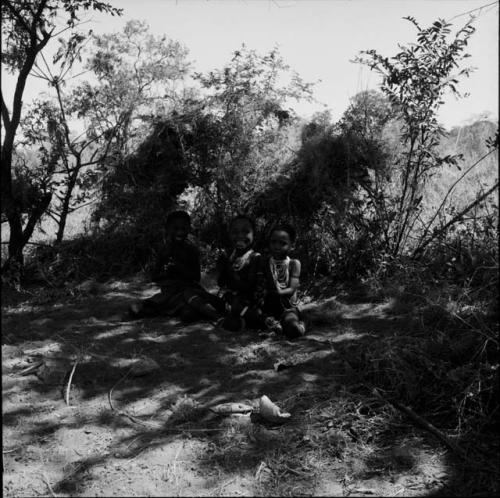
<point x="16" y="243"/>
<point x="11" y="205"/>
<point x="19" y="237"/>
<point x="63" y="216"/>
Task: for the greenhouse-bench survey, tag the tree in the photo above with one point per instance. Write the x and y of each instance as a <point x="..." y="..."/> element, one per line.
<point x="414" y="81"/>
<point x="139" y="86"/>
<point x="367" y="115"/>
<point x="58" y="161"/>
<point x="321" y="191"/>
<point x="27" y="28"/>
<point x="244" y="119"/>
<point x="137" y="76"/>
<point x="108" y="109"/>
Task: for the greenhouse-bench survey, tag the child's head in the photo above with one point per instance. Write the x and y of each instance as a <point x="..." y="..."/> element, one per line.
<point x="281" y="240"/>
<point x="178" y="226"/>
<point x="241" y="232"/>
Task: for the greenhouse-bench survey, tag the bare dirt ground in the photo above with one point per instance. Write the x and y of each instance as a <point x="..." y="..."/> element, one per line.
<point x="125" y="434"/>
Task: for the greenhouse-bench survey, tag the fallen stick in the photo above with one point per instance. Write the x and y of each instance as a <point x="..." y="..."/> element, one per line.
<point x="4" y="452"/>
<point x="136" y="420"/>
<point x="30" y="369"/>
<point x="151" y="425"/>
<point x="68" y="387"/>
<point x="221" y="487"/>
<point x="297" y="472"/>
<point x="423" y="423"/>
<point x="48" y="485"/>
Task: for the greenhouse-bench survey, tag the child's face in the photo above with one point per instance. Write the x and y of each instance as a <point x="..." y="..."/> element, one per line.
<point x="178" y="230"/>
<point x="280" y="244"/>
<point x="241" y="234"/>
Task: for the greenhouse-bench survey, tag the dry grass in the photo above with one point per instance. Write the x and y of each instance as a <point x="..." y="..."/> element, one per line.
<point x="328" y="430"/>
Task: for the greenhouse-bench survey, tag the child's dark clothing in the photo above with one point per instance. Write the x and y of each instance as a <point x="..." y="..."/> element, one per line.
<point x="177" y="272"/>
<point x="238" y="281"/>
<point x="277" y="274"/>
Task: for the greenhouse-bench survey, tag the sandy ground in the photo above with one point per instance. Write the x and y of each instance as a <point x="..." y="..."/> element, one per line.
<point x="152" y="434"/>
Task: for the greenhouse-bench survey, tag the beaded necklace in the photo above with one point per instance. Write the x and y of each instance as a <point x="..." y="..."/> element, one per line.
<point x="239" y="262"/>
<point x="280" y="270"/>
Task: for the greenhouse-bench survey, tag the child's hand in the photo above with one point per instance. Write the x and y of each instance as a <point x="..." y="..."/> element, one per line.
<point x="167" y="267"/>
<point x="169" y="263"/>
<point x="227" y="297"/>
<point x="222" y="262"/>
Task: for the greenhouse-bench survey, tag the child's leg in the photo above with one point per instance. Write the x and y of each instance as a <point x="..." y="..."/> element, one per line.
<point x="234" y="322"/>
<point x="199" y="302"/>
<point x="147" y="307"/>
<point x="216" y="302"/>
<point x="293" y="327"/>
<point x="272" y="310"/>
<point x="254" y="317"/>
<point x="187" y="314"/>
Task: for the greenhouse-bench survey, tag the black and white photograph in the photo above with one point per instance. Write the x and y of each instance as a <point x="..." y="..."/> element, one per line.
<point x="250" y="248"/>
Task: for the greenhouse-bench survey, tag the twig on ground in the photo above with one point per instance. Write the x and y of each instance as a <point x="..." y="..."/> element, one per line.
<point x="136" y="420"/>
<point x="365" y="491"/>
<point x="259" y="470"/>
<point x="48" y="485"/>
<point x="30" y="369"/>
<point x="133" y="441"/>
<point x="423" y="423"/>
<point x="176" y="476"/>
<point x="4" y="452"/>
<point x="73" y="472"/>
<point x="68" y="387"/>
<point x="151" y="425"/>
<point x="297" y="472"/>
<point x="223" y="485"/>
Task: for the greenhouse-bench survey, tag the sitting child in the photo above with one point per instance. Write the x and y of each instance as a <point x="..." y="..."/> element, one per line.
<point x="177" y="272"/>
<point x="238" y="276"/>
<point x="281" y="279"/>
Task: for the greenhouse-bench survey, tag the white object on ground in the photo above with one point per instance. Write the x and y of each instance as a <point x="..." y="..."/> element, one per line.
<point x="270" y="411"/>
<point x="231" y="408"/>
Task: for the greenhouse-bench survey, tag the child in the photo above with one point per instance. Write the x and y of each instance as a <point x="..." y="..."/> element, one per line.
<point x="281" y="279"/>
<point x="177" y="272"/>
<point x="238" y="276"/>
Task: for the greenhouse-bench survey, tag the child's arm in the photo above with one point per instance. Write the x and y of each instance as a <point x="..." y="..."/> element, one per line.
<point x="248" y="284"/>
<point x="191" y="270"/>
<point x="222" y="268"/>
<point x="294" y="279"/>
<point x="162" y="265"/>
<point x="229" y="277"/>
<point x="169" y="266"/>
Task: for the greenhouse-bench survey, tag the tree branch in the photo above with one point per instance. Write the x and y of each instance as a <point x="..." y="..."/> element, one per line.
<point x="419" y="250"/>
<point x="35" y="215"/>
<point x="18" y="16"/>
<point x="83" y="205"/>
<point x="426" y="231"/>
<point x="5" y="114"/>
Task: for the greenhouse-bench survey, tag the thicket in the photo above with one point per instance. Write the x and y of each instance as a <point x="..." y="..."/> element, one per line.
<point x="383" y="182"/>
<point x="384" y="196"/>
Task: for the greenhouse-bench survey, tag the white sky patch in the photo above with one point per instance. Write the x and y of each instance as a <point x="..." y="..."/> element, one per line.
<point x="318" y="39"/>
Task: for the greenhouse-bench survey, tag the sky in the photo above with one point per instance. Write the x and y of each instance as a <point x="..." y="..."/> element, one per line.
<point x="318" y="39"/>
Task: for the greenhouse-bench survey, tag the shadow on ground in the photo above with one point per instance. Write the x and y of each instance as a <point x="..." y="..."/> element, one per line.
<point x="160" y="437"/>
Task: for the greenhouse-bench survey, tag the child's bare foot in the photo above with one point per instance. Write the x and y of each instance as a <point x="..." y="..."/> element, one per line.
<point x="273" y="325"/>
<point x="302" y="329"/>
<point x="233" y="324"/>
<point x="134" y="310"/>
<point x="218" y="323"/>
<point x="267" y="334"/>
